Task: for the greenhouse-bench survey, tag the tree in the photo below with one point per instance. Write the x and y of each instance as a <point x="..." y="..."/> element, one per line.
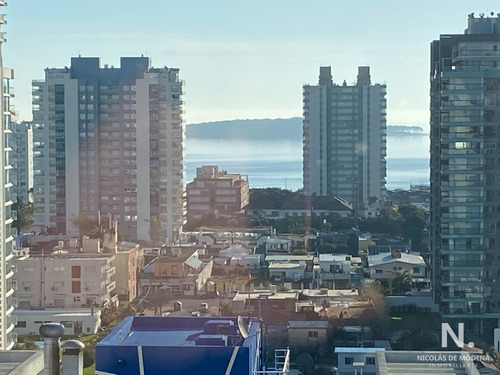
<point x="413" y="223"/>
<point x="24" y="215"/>
<point x="326" y="248"/>
<point x="87" y="225"/>
<point x="374" y="292"/>
<point x="401" y="282"/>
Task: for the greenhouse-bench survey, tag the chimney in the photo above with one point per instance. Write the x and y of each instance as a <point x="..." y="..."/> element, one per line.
<point x="51" y="333"/>
<point x="396" y="255"/>
<point x="72" y="358"/>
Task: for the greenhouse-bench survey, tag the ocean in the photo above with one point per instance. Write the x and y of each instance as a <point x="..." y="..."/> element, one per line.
<point x="279" y="163"/>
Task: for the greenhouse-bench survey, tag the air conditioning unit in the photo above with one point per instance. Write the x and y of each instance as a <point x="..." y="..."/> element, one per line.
<point x="53" y="288"/>
<point x="27" y="288"/>
<point x="87" y="289"/>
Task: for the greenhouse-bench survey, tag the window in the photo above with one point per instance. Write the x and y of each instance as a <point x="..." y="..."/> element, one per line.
<point x="348" y="360"/>
<point x="312" y="334"/>
<point x="76" y="287"/>
<point x="21" y="324"/>
<point x="379" y="270"/>
<point x="75" y="272"/>
<point x="370" y="360"/>
<point x="416" y="270"/>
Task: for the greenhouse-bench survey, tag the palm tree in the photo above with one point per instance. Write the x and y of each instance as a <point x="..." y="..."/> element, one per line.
<point x="401" y="282"/>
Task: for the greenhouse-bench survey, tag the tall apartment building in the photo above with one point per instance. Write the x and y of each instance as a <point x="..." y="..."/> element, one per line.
<point x="22" y="161"/>
<point x="6" y="219"/>
<point x="110" y="141"/>
<point x="465" y="174"/>
<point x="345" y="138"/>
<point x="215" y="191"/>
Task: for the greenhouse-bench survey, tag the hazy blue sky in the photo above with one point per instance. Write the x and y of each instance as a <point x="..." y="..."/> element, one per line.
<point x="243" y="59"/>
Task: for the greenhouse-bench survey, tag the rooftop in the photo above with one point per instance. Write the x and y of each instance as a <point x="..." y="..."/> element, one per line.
<point x="386" y="258"/>
<point x="174" y="331"/>
<point x="308" y="324"/>
<point x="20" y="361"/>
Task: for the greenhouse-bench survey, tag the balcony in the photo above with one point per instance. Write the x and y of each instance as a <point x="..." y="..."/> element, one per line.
<point x="110" y="287"/>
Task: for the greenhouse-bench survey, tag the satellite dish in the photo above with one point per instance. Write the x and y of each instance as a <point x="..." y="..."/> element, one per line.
<point x="242" y="327"/>
<point x="305" y="362"/>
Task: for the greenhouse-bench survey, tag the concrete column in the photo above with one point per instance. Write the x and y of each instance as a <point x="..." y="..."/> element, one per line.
<point x="51" y="333"/>
<point x="72" y="358"/>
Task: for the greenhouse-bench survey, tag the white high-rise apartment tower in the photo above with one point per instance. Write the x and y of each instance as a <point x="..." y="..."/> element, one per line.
<point x="109" y="141"/>
<point x="6" y="231"/>
<point x="345" y="138"/>
<point x="22" y="160"/>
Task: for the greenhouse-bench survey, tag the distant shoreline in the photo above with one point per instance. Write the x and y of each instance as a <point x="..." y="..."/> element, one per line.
<point x="272" y="129"/>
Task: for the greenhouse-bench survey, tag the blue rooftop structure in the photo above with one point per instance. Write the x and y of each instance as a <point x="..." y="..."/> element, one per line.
<point x="182" y="345"/>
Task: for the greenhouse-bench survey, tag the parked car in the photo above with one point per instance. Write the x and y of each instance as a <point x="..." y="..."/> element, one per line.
<point x="195" y="313"/>
<point x="203" y="307"/>
<point x="211" y="294"/>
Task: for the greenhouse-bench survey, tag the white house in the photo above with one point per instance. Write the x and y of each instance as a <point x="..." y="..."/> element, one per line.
<point x="75" y="321"/>
<point x="384" y="265"/>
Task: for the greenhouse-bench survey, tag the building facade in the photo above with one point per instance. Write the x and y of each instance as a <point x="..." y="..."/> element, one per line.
<point x="215" y="191"/>
<point x="465" y="157"/>
<point x="110" y="141"/>
<point x="345" y="138"/>
<point x="176" y="271"/>
<point x="65" y="280"/>
<point x="22" y="161"/>
<point x="127" y="266"/>
<point x="6" y="215"/>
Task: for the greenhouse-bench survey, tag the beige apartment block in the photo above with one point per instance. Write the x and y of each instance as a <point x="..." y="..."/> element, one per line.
<point x="127" y="263"/>
<point x="64" y="280"/>
<point x="215" y="191"/>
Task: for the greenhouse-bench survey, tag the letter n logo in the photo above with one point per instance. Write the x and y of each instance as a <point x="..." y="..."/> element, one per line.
<point x="446" y="330"/>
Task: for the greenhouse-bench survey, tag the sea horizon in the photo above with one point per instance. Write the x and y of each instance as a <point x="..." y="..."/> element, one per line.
<point x="278" y="164"/>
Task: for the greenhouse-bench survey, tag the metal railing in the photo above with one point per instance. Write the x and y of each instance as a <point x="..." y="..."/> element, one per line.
<point x="281" y="363"/>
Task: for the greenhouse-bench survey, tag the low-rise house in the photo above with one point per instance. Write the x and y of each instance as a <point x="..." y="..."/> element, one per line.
<point x="178" y="271"/>
<point x="76" y="322"/>
<point x="276" y="245"/>
<point x="307" y="335"/>
<point x="385" y="265"/>
<point x="265" y="301"/>
<point x="335" y="271"/>
<point x="289" y="268"/>
<point x="298" y="206"/>
<point x="286" y="272"/>
<point x="238" y="254"/>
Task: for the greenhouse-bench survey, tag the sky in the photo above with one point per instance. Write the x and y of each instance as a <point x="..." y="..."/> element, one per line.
<point x="242" y="59"/>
